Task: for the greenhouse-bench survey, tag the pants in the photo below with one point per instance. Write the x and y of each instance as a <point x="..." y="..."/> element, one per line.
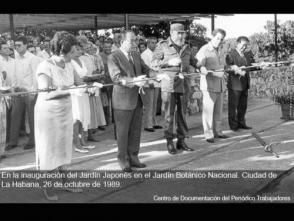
<point x="8" y="123"/>
<point x="155" y="101"/>
<point x="19" y="104"/>
<point x="148" y="102"/>
<point x="128" y="132"/>
<point x="2" y="126"/>
<point x="171" y="101"/>
<point x="237" y="107"/>
<point x="212" y="113"/>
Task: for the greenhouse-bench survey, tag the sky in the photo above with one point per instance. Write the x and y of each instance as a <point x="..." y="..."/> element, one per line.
<point x="243" y="24"/>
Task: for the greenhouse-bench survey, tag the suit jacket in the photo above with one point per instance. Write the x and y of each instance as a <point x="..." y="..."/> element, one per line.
<point x="235" y="81"/>
<point x="119" y="67"/>
<point x="165" y="51"/>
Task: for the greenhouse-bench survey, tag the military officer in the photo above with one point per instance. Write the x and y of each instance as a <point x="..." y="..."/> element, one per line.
<point x="173" y="58"/>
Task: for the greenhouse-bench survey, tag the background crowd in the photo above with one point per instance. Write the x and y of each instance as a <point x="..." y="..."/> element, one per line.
<point x="93" y="110"/>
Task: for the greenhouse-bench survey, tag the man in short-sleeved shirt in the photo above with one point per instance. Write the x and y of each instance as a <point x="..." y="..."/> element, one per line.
<point x="24" y="79"/>
<point x="212" y="85"/>
<point x="151" y="92"/>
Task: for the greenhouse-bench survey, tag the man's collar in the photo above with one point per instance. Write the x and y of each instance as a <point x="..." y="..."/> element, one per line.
<point x="210" y="47"/>
<point x="124" y="52"/>
<point x="170" y="42"/>
<point x="240" y="53"/>
<point x="25" y="55"/>
<point x="148" y="50"/>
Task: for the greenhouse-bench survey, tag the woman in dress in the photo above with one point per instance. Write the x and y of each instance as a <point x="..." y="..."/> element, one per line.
<point x="53" y="110"/>
<point x="81" y="106"/>
<point x="99" y="73"/>
<point x="96" y="108"/>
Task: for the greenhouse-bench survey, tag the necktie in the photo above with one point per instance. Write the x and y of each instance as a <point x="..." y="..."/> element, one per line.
<point x="131" y="62"/>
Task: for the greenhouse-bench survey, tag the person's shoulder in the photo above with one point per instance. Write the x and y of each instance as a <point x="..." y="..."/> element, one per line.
<point x="232" y="52"/>
<point x="205" y="46"/>
<point x="114" y="55"/>
<point x="136" y="53"/>
<point x="163" y="42"/>
<point x="145" y="53"/>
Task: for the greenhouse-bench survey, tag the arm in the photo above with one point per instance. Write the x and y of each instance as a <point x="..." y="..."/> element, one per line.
<point x="201" y="57"/>
<point x="35" y="61"/>
<point x="157" y="58"/>
<point x="201" y="62"/>
<point x="229" y="64"/>
<point x="44" y="82"/>
<point x="77" y="79"/>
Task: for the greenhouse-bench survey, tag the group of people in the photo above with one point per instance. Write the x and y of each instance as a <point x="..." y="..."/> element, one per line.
<point x="137" y="72"/>
<point x="18" y="64"/>
<point x="170" y="63"/>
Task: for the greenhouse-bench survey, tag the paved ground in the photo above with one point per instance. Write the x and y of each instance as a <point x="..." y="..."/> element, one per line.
<point x="241" y="152"/>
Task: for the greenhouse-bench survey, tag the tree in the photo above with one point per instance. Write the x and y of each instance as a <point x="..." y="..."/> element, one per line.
<point x="263" y="44"/>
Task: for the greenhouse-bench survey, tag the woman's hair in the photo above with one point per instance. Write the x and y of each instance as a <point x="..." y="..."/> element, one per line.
<point x="82" y="40"/>
<point x="62" y="42"/>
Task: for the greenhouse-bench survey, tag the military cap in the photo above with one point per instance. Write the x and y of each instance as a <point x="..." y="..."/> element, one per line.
<point x="177" y="27"/>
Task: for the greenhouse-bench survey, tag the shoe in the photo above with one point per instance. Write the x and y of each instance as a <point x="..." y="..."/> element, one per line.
<point x="2" y="157"/>
<point x="210" y="140"/>
<point x="222" y="136"/>
<point x="235" y="129"/>
<point x="10" y="147"/>
<point x="52" y="197"/>
<point x="81" y="151"/>
<point x="157" y="127"/>
<point x="171" y="148"/>
<point x="138" y="165"/>
<point x="127" y="169"/>
<point x="29" y="146"/>
<point x="101" y="128"/>
<point x="89" y="147"/>
<point x="73" y="190"/>
<point x="125" y="165"/>
<point x="245" y="127"/>
<point x="149" y="129"/>
<point x="181" y="145"/>
<point x="22" y="134"/>
<point x="93" y="139"/>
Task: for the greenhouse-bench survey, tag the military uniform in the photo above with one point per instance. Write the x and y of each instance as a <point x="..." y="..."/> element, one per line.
<point x="175" y="91"/>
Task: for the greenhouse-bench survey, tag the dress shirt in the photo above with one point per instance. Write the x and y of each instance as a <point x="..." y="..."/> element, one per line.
<point x="210" y="58"/>
<point x="8" y="65"/>
<point x="25" y="71"/>
<point x="147" y="56"/>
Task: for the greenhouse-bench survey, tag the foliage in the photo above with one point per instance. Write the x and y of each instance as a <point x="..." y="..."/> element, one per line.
<point x="160" y="30"/>
<point x="282" y="85"/>
<point x="263" y="44"/>
<point x="284" y="99"/>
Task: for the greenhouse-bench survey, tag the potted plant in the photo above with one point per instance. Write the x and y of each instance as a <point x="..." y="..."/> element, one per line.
<point x="286" y="101"/>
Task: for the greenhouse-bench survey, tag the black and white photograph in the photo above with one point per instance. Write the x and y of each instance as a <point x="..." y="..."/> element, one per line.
<point x="147" y="108"/>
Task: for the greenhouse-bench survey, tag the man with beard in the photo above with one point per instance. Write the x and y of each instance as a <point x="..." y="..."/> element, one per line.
<point x="174" y="57"/>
